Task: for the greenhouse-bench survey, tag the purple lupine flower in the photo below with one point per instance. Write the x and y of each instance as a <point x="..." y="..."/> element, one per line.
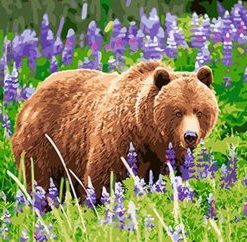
<point x="211" y="209"/>
<point x="151" y="180"/>
<point x="2" y="68"/>
<point x="7" y="49"/>
<point x="226" y="24"/>
<point x="52" y="197"/>
<point x="245" y="209"/>
<point x="140" y="187"/>
<point x="188" y="167"/>
<point x="58" y="46"/>
<point x="151" y="49"/>
<point x="149" y="222"/>
<point x="67" y="54"/>
<point x="11" y="85"/>
<point x="39" y="199"/>
<point x="132" y="159"/>
<point x="93" y="37"/>
<point x="227" y="81"/>
<point x="150" y="25"/>
<point x="176" y="233"/>
<point x="39" y="233"/>
<point x="206" y="26"/>
<point x="84" y="11"/>
<point x="6" y="217"/>
<point x="53" y="65"/>
<point x="170" y="22"/>
<point x="184" y="191"/>
<point x="245" y="74"/>
<point x="46" y="38"/>
<point x="170" y="155"/>
<point x="127" y="3"/>
<point x="6" y="124"/>
<point x="245" y="180"/>
<point x="26" y="44"/>
<point x="131" y="223"/>
<point x="216" y="27"/>
<point x="220" y="9"/>
<point x="119" y="210"/>
<point x="112" y="64"/>
<point x="171" y="48"/>
<point x="20" y="201"/>
<point x="24" y="236"/>
<point x="86" y="64"/>
<point x="105" y="197"/>
<point x="203" y="55"/>
<point x="26" y="93"/>
<point x="132" y="28"/>
<point x="197" y="32"/>
<point x="81" y="39"/>
<point x="158" y="186"/>
<point x="91" y="195"/>
<point x="205" y="164"/>
<point x="4" y="233"/>
<point x="133" y="39"/>
<point x="229" y="172"/>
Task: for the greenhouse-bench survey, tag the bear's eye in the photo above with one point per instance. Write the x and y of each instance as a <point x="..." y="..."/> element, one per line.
<point x="199" y="114"/>
<point x="179" y="114"/>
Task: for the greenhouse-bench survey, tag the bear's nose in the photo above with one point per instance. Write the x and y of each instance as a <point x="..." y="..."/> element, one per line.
<point x="190" y="137"/>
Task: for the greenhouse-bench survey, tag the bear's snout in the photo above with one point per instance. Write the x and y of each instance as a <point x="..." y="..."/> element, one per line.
<point x="190" y="137"/>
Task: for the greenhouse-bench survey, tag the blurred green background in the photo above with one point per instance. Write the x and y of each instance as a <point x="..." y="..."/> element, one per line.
<point x="16" y="15"/>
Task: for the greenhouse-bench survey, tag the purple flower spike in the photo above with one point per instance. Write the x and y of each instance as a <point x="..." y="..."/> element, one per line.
<point x="229" y="172"/>
<point x="245" y="75"/>
<point x="245" y="180"/>
<point x="205" y="165"/>
<point x="188" y="168"/>
<point x="69" y="46"/>
<point x="132" y="159"/>
<point x="171" y="48"/>
<point x="221" y="10"/>
<point x="24" y="236"/>
<point x="149" y="222"/>
<point x="227" y="50"/>
<point x="46" y="38"/>
<point x="11" y="85"/>
<point x="39" y="233"/>
<point x="39" y="199"/>
<point x="211" y="210"/>
<point x="184" y="191"/>
<point x="6" y="217"/>
<point x="52" y="194"/>
<point x="245" y="209"/>
<point x="53" y="65"/>
<point x="6" y="124"/>
<point x="26" y="93"/>
<point x="140" y="187"/>
<point x="176" y="234"/>
<point x="58" y="46"/>
<point x="159" y="186"/>
<point x="105" y="198"/>
<point x="131" y="223"/>
<point x="20" y="202"/>
<point x="170" y="156"/>
<point x="91" y="195"/>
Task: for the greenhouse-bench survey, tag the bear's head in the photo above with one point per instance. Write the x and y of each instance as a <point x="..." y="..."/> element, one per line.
<point x="176" y="107"/>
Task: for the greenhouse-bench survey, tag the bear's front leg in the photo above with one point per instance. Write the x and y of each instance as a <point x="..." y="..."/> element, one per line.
<point x="101" y="162"/>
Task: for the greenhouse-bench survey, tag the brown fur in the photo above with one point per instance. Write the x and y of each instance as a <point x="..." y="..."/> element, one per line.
<point x="92" y="117"/>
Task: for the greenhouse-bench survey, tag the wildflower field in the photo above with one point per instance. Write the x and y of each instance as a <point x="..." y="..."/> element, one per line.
<point x="206" y="202"/>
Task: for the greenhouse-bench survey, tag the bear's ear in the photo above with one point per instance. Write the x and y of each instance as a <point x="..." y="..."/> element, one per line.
<point x="161" y="77"/>
<point x="204" y="74"/>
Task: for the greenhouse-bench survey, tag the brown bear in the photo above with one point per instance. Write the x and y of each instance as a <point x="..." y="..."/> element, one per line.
<point x="92" y="117"/>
